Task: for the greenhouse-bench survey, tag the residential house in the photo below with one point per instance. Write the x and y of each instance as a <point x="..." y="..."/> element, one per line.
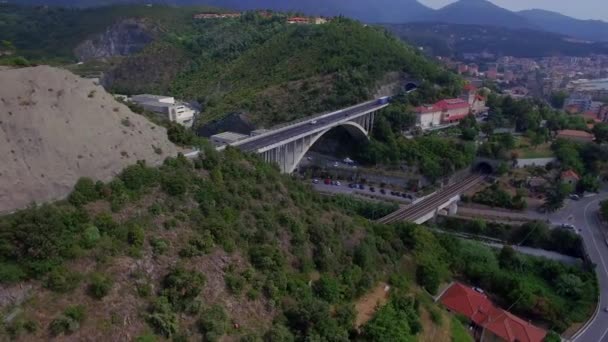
<point x="216" y="15"/>
<point x="320" y="21"/>
<point x="298" y="20"/>
<point x="490" y="322"/>
<point x="574" y="135"/>
<point x="570" y="177"/>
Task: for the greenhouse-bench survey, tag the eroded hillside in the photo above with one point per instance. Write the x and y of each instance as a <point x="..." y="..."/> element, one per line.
<point x="56" y="127"/>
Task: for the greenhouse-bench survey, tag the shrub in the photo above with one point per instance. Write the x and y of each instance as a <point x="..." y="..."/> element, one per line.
<point x="213" y="323"/>
<point x="234" y="283"/>
<point x="11" y="273"/>
<point x="69" y="322"/>
<point x="62" y="280"/>
<point x="90" y="236"/>
<point x="198" y="246"/>
<point x="159" y="246"/>
<point x="162" y="318"/>
<point x="84" y="192"/>
<point x="139" y="176"/>
<point x="100" y="286"/>
<point x="174" y="184"/>
<point x="181" y="286"/>
<point x="136" y="235"/>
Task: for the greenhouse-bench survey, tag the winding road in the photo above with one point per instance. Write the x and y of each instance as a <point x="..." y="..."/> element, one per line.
<point x="584" y="215"/>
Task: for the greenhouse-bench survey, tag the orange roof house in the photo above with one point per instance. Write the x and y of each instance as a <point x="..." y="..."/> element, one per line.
<point x="570" y="134"/>
<point x="496" y="324"/>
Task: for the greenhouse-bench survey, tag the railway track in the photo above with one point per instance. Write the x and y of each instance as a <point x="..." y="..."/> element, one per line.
<point x="421" y="208"/>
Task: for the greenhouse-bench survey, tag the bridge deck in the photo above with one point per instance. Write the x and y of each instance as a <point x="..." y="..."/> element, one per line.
<point x="253" y="144"/>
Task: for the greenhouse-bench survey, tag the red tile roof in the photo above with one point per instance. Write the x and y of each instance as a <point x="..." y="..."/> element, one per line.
<point x="571" y="133"/>
<point x="591" y="116"/>
<point x="452" y="104"/>
<point x="479" y="309"/>
<point x="469" y="87"/>
<point x="428" y="109"/>
<point x="570" y="174"/>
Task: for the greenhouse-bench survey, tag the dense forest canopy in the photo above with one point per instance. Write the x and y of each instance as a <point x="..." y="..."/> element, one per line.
<point x="255" y="64"/>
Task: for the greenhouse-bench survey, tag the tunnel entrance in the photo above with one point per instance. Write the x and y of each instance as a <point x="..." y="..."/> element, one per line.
<point x="484" y="168"/>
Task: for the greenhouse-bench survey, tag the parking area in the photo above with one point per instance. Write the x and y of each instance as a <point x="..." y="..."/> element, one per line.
<point x="338" y="187"/>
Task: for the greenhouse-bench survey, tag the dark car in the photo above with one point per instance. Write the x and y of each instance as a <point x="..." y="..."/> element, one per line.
<point x="372" y="189"/>
<point x="361" y="187"/>
<point x="382" y="191"/>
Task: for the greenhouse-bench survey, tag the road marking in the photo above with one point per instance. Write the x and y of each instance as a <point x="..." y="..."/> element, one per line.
<point x="603" y="265"/>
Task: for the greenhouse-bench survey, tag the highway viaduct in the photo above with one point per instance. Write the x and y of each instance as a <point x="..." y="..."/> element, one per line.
<point x="286" y="145"/>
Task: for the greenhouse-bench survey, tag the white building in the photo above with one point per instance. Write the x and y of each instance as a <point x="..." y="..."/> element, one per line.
<point x="428" y="116"/>
<point x="175" y="111"/>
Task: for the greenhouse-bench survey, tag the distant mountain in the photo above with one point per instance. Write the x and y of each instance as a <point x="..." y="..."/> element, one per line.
<point x="467" y="12"/>
<point x="596" y="30"/>
<point x="456" y="40"/>
<point x="478" y="12"/>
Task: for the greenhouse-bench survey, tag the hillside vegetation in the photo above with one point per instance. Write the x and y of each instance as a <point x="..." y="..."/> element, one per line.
<point x="279" y="72"/>
<point x="262" y="66"/>
<point x="227" y="246"/>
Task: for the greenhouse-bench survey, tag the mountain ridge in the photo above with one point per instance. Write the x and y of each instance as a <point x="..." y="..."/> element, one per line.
<point x="467" y="12"/>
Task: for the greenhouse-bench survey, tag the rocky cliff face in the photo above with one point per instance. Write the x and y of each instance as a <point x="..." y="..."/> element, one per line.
<point x="121" y="39"/>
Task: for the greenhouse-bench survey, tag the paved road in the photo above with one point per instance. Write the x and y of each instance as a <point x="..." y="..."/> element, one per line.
<point x="345" y="190"/>
<point x="270" y="139"/>
<point x="583" y="214"/>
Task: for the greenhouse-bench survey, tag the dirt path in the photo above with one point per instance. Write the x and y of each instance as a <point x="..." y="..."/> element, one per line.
<point x="366" y="306"/>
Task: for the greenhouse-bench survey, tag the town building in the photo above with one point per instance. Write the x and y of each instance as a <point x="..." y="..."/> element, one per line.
<point x="298" y="20"/>
<point x="477" y="103"/>
<point x="583" y="102"/>
<point x="490" y="323"/>
<point x="200" y="16"/>
<point x="570" y="177"/>
<point x="227" y="138"/>
<point x="450" y="111"/>
<point x="167" y="106"/>
<point x="574" y="135"/>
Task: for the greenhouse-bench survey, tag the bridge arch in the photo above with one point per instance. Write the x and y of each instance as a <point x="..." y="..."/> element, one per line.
<point x="354" y="130"/>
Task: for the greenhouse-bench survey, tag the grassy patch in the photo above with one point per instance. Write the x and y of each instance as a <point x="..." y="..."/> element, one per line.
<point x="459" y="332"/>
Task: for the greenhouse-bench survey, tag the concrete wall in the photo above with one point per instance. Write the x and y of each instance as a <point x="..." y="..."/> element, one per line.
<point x="534" y="162"/>
<point x="428" y="120"/>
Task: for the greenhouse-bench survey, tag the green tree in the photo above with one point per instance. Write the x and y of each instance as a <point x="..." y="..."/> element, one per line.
<point x="558" y="99"/>
<point x="600" y="131"/>
<point x="604" y="209"/>
<point x="328" y="288"/>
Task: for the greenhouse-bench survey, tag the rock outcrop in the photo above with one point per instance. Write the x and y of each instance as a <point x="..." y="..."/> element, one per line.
<point x="125" y="38"/>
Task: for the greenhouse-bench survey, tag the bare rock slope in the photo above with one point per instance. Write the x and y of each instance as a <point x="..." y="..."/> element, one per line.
<point x="56" y="127"/>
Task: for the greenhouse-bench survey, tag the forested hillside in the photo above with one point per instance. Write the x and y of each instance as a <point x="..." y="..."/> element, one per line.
<point x="227" y="246"/>
<point x="254" y="64"/>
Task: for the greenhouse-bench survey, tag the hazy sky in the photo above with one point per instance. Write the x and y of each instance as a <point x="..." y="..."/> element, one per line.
<point x="583" y="9"/>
